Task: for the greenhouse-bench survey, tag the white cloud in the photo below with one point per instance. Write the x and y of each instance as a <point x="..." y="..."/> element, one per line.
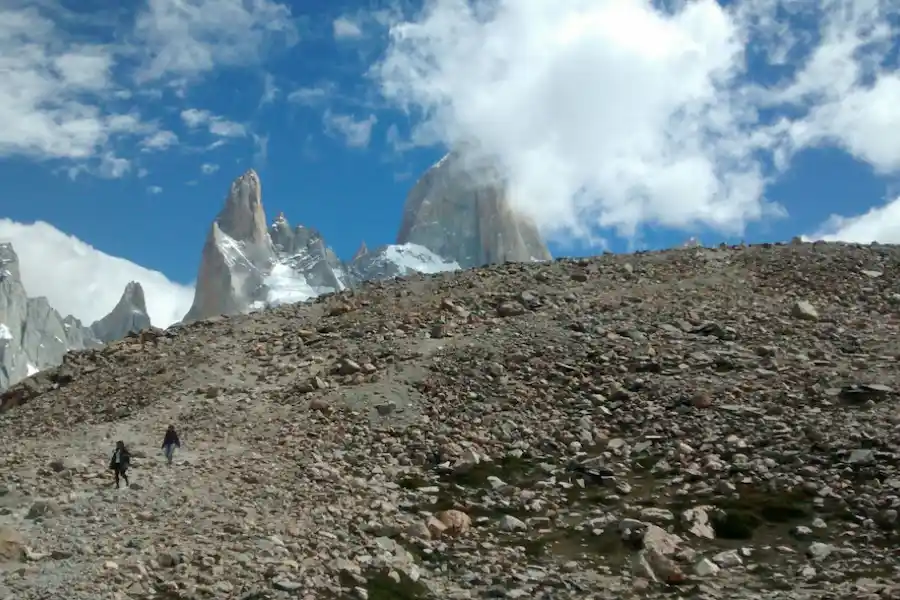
<point x="878" y="224"/>
<point x="107" y="166"/>
<point x="160" y="140"/>
<point x="62" y="85"/>
<point x="54" y="92"/>
<point x="613" y="114"/>
<point x="216" y="125"/>
<point x="194" y="118"/>
<point x="113" y="167"/>
<point x="270" y="90"/>
<point x="312" y="95"/>
<point x="226" y="128"/>
<point x="346" y="28"/>
<point x="356" y="134"/>
<point x="154" y="189"/>
<point x="261" y="149"/>
<point x="209" y="168"/>
<point x="80" y="280"/>
<point x="189" y="39"/>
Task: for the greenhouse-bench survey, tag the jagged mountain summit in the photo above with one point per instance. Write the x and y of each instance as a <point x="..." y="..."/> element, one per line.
<point x="464" y="214"/>
<point x="237" y="252"/>
<point x="247" y="266"/>
<point x="34" y="336"/>
<point x="129" y="315"/>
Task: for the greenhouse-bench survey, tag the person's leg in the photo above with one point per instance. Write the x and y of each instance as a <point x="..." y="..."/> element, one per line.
<point x="125" y="477"/>
<point x="116" y="470"/>
<point x="170" y="451"/>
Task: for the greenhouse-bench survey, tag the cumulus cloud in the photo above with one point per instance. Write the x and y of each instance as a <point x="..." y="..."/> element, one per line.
<point x="154" y="189"/>
<point x="355" y="133"/>
<point x="55" y="92"/>
<point x="216" y="125"/>
<point x="188" y="39"/>
<point x="80" y="280"/>
<point x="878" y="224"/>
<point x="617" y="114"/>
<point x="209" y="168"/>
<point x="63" y="93"/>
<point x="160" y="140"/>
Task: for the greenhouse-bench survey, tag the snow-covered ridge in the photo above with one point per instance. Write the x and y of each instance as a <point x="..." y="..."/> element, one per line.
<point x="414" y="258"/>
<point x="286" y="285"/>
<point x="289" y="279"/>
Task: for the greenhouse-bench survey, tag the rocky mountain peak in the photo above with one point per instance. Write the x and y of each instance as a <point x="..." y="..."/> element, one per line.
<point x="361" y="251"/>
<point x="463" y="213"/>
<point x="9" y="262"/>
<point x="129" y="315"/>
<point x="242" y="217"/>
<point x="33" y="336"/>
<point x="281" y="235"/>
<point x="134" y="296"/>
<point x="237" y="252"/>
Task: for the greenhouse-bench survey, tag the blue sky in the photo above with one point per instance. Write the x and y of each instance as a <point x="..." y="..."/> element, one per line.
<point x="620" y="124"/>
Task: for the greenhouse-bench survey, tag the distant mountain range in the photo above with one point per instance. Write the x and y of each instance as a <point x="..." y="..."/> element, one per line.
<point x="455" y="218"/>
<point x="34" y="336"/>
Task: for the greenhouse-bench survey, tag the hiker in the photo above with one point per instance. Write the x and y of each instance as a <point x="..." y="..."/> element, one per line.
<point x="120" y="461"/>
<point x="170" y="442"/>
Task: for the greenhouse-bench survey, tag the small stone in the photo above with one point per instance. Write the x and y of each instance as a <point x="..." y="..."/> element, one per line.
<point x="41" y="509"/>
<point x="819" y="550"/>
<point x="12" y="545"/>
<point x="510" y="309"/>
<point x="286" y="585"/>
<point x="457" y="522"/>
<point x="511" y="523"/>
<point x="805" y="311"/>
<point x="706" y="568"/>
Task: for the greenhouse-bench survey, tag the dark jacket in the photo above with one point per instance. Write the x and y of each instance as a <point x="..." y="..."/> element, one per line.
<point x="171" y="438"/>
<point x="124" y="460"/>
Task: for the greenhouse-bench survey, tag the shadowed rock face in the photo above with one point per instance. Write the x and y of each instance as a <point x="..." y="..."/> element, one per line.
<point x="236" y="254"/>
<point x="33" y="336"/>
<point x="466" y="216"/>
<point x="128" y="316"/>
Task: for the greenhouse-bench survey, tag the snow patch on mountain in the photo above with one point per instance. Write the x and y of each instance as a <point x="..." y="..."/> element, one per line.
<point x="286" y="285"/>
<point x="413" y="257"/>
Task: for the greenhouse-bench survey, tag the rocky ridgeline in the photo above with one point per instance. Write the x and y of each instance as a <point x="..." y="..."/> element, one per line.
<point x="704" y="423"/>
<point x="34" y="336"/>
<point x="456" y="216"/>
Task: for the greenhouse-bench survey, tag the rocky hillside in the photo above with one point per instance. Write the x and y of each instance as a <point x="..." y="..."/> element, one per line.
<point x="34" y="336"/>
<point x="697" y="423"/>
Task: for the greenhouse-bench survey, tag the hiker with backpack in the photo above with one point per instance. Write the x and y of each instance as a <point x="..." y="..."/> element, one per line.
<point x="120" y="461"/>
<point x="170" y="442"/>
